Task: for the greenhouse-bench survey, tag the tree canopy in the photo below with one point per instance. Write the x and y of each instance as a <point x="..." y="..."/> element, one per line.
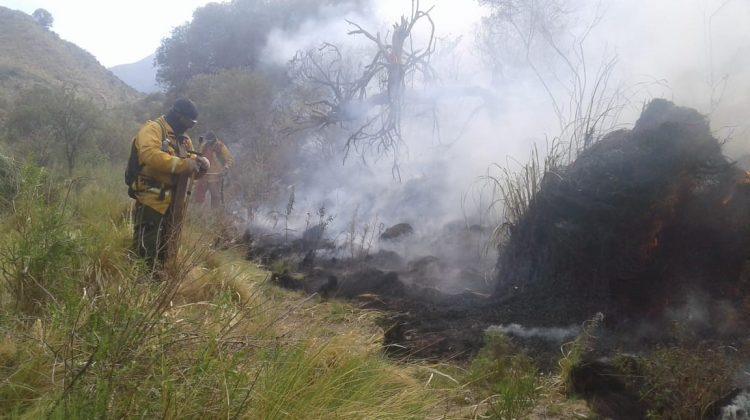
<point x="230" y="36"/>
<point x="53" y="126"/>
<point x="43" y="18"/>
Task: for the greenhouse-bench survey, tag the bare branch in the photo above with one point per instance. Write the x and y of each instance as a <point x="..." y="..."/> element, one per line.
<point x="372" y="101"/>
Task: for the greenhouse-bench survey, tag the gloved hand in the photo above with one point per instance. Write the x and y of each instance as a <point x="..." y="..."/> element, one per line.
<point x="193" y="165"/>
<point x="203" y="164"/>
<point x="198" y="166"/>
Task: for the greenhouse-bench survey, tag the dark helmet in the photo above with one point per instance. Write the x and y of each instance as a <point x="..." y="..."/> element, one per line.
<point x="186" y="108"/>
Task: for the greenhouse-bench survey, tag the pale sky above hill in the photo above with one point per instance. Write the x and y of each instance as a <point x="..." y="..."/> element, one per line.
<point x="690" y="51"/>
<point x="121" y="32"/>
<point x="115" y="32"/>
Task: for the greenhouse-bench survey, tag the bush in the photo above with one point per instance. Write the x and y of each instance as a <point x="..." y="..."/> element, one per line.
<point x="9" y="179"/>
<point x="54" y="127"/>
<point x="507" y="376"/>
<point x="679" y="383"/>
<point x="575" y="352"/>
<point x="108" y="342"/>
<point x="41" y="257"/>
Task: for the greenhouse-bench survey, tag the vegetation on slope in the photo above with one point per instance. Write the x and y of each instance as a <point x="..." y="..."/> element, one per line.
<point x="33" y="56"/>
<point x="86" y="333"/>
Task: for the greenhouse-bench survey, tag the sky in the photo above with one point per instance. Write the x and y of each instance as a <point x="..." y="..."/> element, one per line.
<point x="698" y="48"/>
<point x="115" y="32"/>
<point x="122" y="32"/>
<point x="685" y="50"/>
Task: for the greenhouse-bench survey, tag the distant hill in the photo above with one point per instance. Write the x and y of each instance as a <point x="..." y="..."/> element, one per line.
<point x="31" y="55"/>
<point x="140" y="75"/>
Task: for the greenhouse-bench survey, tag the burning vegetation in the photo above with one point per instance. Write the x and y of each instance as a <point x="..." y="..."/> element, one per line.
<point x="615" y="267"/>
<point x="644" y="220"/>
<point x="645" y="232"/>
<point x="645" y="223"/>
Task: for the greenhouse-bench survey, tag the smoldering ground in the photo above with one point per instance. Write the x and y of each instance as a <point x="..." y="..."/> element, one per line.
<point x="452" y="140"/>
<point x="617" y="57"/>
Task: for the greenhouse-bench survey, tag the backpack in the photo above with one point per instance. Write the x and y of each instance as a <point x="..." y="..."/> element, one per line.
<point x="134" y="164"/>
<point x="132" y="170"/>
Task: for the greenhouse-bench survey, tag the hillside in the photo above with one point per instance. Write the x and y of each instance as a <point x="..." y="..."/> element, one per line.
<point x="140" y="75"/>
<point x="31" y="55"/>
<point x="215" y="339"/>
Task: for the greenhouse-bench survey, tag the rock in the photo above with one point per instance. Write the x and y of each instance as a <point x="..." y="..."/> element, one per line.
<point x="396" y="232"/>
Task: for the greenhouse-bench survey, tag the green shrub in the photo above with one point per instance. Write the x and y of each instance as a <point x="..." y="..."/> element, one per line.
<point x="9" y="178"/>
<point x="108" y="342"/>
<point x="575" y="352"/>
<point x="41" y="256"/>
<point x="679" y="383"/>
<point x="507" y="376"/>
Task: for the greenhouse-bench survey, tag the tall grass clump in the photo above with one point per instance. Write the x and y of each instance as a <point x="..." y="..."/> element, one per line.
<point x="506" y="377"/>
<point x="589" y="109"/>
<point x="576" y="352"/>
<point x="9" y="179"/>
<point x="102" y="215"/>
<point x="513" y="187"/>
<point x="88" y="332"/>
<point x="39" y="257"/>
<point x="326" y="379"/>
<point x="133" y="359"/>
<point x="680" y="383"/>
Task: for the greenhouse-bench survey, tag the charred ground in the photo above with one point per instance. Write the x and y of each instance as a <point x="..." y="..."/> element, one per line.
<point x="648" y="227"/>
<point x="643" y="223"/>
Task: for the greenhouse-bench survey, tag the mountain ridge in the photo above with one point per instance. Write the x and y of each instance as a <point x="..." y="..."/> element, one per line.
<point x="31" y="56"/>
<point x="140" y="75"/>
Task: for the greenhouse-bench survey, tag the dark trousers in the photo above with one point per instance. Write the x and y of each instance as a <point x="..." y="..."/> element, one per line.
<point x="150" y="235"/>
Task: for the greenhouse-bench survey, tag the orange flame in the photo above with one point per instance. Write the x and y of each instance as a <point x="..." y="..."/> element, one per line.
<point x="666" y="210"/>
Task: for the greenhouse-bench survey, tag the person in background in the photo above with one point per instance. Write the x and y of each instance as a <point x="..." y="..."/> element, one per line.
<point x="220" y="160"/>
<point x="164" y="166"/>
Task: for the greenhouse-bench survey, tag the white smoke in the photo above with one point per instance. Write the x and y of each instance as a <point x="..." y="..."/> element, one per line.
<point x="693" y="54"/>
<point x="699" y="311"/>
<point x="553" y="334"/>
<point x="738" y="409"/>
<point x="328" y="24"/>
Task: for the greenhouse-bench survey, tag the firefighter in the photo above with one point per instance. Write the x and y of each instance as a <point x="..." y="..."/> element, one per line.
<point x="221" y="160"/>
<point x="165" y="163"/>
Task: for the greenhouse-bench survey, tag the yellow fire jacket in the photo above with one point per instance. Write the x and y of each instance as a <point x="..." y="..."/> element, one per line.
<point x="160" y="164"/>
<point x="219" y="157"/>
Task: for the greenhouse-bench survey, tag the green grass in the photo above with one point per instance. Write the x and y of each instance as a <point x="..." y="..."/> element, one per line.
<point x="506" y="377"/>
<point x="576" y="351"/>
<point x="85" y="332"/>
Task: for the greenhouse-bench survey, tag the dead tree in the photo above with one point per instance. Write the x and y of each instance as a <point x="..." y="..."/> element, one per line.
<point x="371" y="102"/>
<point x="585" y="103"/>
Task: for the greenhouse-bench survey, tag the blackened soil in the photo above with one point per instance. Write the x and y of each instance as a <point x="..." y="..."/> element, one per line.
<point x="419" y="322"/>
<point x="449" y="328"/>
